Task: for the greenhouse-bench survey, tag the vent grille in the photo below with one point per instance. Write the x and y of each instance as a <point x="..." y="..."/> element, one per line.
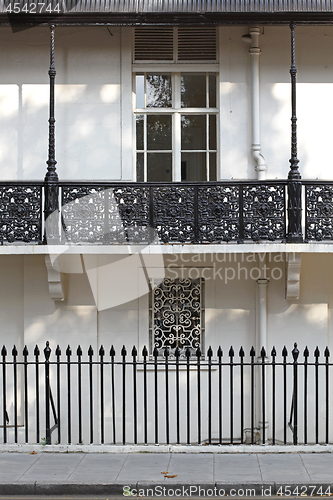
<point x="153" y="43"/>
<point x="196" y="44"/>
<point x="157" y="44"/>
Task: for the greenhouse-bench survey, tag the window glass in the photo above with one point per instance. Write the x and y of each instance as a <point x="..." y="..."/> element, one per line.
<point x="158" y="91"/>
<point x="193" y="90"/>
<point x="140" y="167"/>
<point x="193" y="132"/>
<point x="169" y="104"/>
<point x="140" y="91"/>
<point x="159" y="132"/>
<point x="159" y="167"/>
<point x="212" y="90"/>
<point x="139" y="132"/>
<point x="212" y="131"/>
<point x="194" y="167"/>
<point x="212" y="167"/>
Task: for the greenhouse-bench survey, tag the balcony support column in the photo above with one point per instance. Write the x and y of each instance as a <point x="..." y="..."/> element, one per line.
<point x="294" y="177"/>
<point x="51" y="178"/>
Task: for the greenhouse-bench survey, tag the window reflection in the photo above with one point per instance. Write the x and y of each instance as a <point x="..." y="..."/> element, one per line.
<point x="159" y="132"/>
<point x="159" y="91"/>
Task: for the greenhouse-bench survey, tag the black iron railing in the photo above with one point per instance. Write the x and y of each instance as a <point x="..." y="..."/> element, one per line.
<point x="77" y="397"/>
<point x="115" y="213"/>
<point x="319" y="210"/>
<point x="21" y="212"/>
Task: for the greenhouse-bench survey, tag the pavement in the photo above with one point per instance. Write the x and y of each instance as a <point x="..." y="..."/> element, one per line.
<point x="166" y="474"/>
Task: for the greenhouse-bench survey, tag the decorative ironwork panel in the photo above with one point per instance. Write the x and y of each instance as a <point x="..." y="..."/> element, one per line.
<point x="319" y="212"/>
<point x="83" y="214"/>
<point x="99" y="215"/>
<point x="218" y="213"/>
<point x="132" y="204"/>
<point x="20" y="214"/>
<point x="174" y="213"/>
<point x="264" y="212"/>
<point x="176" y="314"/>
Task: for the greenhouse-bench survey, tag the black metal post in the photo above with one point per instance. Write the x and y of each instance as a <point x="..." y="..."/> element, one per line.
<point x="69" y="398"/>
<point x="58" y="354"/>
<point x="4" y="394"/>
<point x="219" y="355"/>
<point x="295" y="353"/>
<point x="101" y="366"/>
<point x="14" y="354"/>
<point x="47" y="353"/>
<point x="294" y="177"/>
<point x="327" y="395"/>
<point x="36" y="354"/>
<point x="51" y="177"/>
<point x="26" y="405"/>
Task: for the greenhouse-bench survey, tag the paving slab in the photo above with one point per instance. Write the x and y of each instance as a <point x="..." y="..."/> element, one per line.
<point x="103" y="473"/>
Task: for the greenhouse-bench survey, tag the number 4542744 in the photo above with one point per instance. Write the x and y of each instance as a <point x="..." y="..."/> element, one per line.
<point x="33" y="8"/>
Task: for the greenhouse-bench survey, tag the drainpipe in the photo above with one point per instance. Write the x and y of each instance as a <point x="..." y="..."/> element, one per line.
<point x="253" y="38"/>
<point x="261" y="341"/>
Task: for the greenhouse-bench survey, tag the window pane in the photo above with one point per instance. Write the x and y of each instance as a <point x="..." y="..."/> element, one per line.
<point x="159" y="132"/>
<point x="159" y="91"/>
<point x="212" y="167"/>
<point x="212" y="131"/>
<point x="212" y="90"/>
<point x="159" y="167"/>
<point x="139" y="168"/>
<point x="140" y="91"/>
<point x="193" y="167"/>
<point x="193" y="132"/>
<point x="139" y="132"/>
<point x="193" y="91"/>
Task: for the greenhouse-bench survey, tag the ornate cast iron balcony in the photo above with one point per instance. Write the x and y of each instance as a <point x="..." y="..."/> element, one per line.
<point x="119" y="213"/>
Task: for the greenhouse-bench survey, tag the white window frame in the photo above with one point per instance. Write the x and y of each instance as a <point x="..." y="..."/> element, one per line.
<point x="176" y="111"/>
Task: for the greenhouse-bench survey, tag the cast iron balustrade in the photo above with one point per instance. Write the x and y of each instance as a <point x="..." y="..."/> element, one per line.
<point x="319" y="210"/>
<point x="120" y="213"/>
<point x="132" y="397"/>
<point x="117" y="213"/>
<point x="21" y="212"/>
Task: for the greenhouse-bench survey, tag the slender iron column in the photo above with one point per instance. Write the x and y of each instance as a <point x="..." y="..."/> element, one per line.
<point x="294" y="177"/>
<point x="51" y="177"/>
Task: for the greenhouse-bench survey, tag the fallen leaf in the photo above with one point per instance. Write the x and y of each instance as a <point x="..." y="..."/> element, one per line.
<point x="33" y="453"/>
<point x="165" y="472"/>
<point x="174" y="475"/>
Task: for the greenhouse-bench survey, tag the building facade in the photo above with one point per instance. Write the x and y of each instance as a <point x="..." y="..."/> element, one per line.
<point x="182" y="210"/>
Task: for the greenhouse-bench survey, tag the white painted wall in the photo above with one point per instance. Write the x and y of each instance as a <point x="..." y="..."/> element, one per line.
<point x="29" y="316"/>
<point x="94" y="102"/>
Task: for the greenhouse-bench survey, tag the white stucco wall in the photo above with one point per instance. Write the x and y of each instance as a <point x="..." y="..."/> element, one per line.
<point x="94" y="137"/>
<point x="29" y="316"/>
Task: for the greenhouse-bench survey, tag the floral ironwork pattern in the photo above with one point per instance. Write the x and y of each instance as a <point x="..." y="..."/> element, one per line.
<point x="99" y="215"/>
<point x="176" y="310"/>
<point x="21" y="213"/>
<point x="319" y="212"/>
<point x="264" y="212"/>
<point x="218" y="213"/>
<point x="174" y="213"/>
